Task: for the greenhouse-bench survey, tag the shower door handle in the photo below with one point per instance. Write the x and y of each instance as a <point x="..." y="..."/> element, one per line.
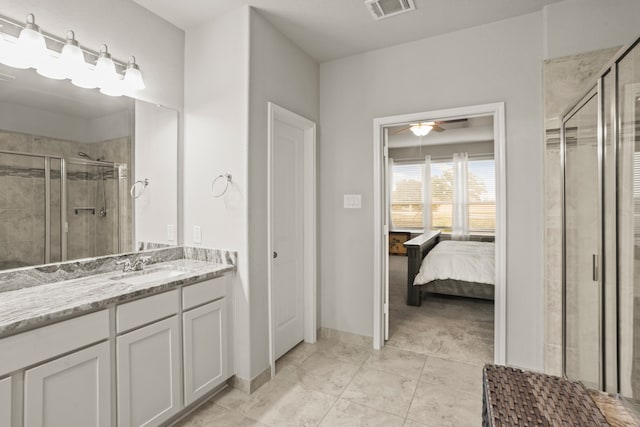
<point x="595" y="267"/>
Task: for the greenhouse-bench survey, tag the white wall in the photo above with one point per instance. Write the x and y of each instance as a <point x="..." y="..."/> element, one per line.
<point x="216" y="142"/>
<point x="156" y="148"/>
<point x="496" y="62"/>
<point x="577" y="26"/>
<point x="282" y="73"/>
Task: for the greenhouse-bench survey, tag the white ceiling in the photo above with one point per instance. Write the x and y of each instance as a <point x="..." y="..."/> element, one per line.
<point x="330" y="29"/>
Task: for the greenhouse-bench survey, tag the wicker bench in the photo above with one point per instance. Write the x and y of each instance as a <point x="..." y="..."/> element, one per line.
<point x="513" y="397"/>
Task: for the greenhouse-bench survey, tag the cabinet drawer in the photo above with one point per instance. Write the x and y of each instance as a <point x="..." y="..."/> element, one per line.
<point x="28" y="348"/>
<point x="146" y="310"/>
<point x="203" y="292"/>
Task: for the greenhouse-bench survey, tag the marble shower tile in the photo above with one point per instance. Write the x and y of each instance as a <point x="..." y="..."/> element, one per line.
<point x="382" y="391"/>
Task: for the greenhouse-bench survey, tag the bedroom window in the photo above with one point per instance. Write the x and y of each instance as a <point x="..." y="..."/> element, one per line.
<point x="407" y="195"/>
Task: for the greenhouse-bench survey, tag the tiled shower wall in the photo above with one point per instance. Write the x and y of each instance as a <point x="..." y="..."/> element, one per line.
<point x="22" y="200"/>
<point x="565" y="79"/>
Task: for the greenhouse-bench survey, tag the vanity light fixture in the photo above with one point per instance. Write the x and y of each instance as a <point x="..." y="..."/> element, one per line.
<point x="133" y="76"/>
<point x="26" y="46"/>
<point x="31" y="47"/>
<point x="421" y="129"/>
<point x="107" y="78"/>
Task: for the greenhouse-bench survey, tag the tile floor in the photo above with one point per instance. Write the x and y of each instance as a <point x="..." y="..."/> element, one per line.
<point x="429" y="374"/>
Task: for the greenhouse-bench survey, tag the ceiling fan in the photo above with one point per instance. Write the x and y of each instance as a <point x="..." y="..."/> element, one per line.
<point x="423" y="128"/>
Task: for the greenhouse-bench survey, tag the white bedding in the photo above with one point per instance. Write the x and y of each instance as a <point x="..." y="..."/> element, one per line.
<point x="459" y="260"/>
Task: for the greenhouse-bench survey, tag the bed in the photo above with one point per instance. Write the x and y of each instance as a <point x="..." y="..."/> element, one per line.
<point x="461" y="268"/>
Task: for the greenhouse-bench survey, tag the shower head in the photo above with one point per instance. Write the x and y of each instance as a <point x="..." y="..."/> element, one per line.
<point x="85" y="155"/>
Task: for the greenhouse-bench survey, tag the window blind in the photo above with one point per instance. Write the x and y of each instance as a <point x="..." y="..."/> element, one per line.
<point x="482" y="195"/>
<point x="406" y="196"/>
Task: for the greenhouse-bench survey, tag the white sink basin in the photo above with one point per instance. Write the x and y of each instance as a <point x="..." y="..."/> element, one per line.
<point x="150" y="275"/>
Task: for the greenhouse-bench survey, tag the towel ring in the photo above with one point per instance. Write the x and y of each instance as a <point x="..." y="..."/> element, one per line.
<point x="227" y="176"/>
<point x="132" y="191"/>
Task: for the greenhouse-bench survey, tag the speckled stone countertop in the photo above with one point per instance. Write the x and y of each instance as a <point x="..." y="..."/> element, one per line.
<point x="57" y="291"/>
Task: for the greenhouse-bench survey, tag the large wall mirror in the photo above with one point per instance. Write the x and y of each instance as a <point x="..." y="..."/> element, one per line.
<point x="82" y="174"/>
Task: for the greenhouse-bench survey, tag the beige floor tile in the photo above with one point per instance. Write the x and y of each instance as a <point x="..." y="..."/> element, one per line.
<point x="296" y="355"/>
<point x="288" y="404"/>
<point x="349" y="414"/>
<point x="380" y="390"/>
<point x="411" y="423"/>
<point x="213" y="415"/>
<point x="347" y="352"/>
<point x="395" y="361"/>
<point x="436" y="405"/>
<point x="323" y="373"/>
<point x="458" y="375"/>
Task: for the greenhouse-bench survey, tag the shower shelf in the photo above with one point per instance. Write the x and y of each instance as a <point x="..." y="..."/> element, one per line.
<point x="91" y="210"/>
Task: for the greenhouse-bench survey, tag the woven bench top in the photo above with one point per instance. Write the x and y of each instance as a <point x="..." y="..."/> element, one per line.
<point x="514" y="397"/>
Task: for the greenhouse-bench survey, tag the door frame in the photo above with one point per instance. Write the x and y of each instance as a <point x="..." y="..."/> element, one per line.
<point x="276" y="112"/>
<point x="497" y="110"/>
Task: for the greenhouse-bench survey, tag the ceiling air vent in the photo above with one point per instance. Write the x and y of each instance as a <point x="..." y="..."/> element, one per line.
<point x="381" y="9"/>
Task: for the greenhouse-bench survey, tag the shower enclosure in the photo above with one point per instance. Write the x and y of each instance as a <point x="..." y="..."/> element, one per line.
<point x="54" y="208"/>
<point x="600" y="146"/>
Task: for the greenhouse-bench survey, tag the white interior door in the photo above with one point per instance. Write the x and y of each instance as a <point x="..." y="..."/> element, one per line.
<point x="387" y="221"/>
<point x="287" y="269"/>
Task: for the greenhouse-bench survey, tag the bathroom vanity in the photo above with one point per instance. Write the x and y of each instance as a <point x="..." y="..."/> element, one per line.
<point x="109" y="348"/>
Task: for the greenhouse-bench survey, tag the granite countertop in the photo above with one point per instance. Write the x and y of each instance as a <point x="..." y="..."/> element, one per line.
<point x="34" y="306"/>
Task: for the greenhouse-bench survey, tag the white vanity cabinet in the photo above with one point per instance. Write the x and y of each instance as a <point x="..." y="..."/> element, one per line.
<point x="205" y="349"/>
<point x="148" y="361"/>
<point x="71" y="391"/>
<point x="5" y="401"/>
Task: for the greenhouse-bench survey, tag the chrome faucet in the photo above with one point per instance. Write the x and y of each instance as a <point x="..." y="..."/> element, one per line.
<point x="139" y="263"/>
<point x="126" y="263"/>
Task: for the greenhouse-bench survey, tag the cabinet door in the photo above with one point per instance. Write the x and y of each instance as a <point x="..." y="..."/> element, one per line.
<point x="71" y="391"/>
<point x="5" y="402"/>
<point x="205" y="349"/>
<point x="149" y="374"/>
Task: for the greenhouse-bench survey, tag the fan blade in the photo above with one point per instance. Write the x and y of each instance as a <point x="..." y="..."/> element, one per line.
<point x="437" y="128"/>
<point x="400" y="130"/>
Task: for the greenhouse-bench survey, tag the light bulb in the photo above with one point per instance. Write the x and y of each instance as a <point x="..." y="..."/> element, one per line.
<point x="133" y="76"/>
<point x="31" y="44"/>
<point x="106" y="73"/>
<point x="72" y="58"/>
<point x="85" y="77"/>
<point x="50" y="66"/>
<point x="421" y="129"/>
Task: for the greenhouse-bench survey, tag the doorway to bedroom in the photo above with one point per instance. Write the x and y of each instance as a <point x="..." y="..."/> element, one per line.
<point x="440" y="252"/>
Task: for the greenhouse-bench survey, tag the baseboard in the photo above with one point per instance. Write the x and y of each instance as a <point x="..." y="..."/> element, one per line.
<point x="250" y="386"/>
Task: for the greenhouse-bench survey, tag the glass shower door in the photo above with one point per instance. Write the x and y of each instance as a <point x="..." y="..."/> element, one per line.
<point x="93" y="208"/>
<point x="582" y="222"/>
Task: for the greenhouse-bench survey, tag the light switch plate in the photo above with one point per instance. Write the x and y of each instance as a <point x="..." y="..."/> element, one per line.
<point x="352" y="201"/>
<point x="171" y="232"/>
<point x="197" y="234"/>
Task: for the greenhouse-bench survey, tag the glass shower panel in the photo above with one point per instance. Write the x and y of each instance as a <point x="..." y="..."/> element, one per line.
<point x="22" y="210"/>
<point x="582" y="346"/>
<point x="92" y="209"/>
<point x="629" y="223"/>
